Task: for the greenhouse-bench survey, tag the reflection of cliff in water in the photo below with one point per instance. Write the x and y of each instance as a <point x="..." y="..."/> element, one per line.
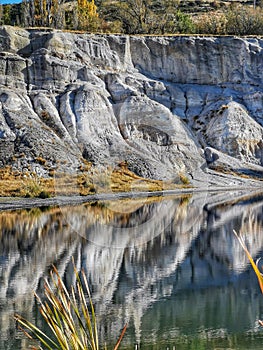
<point x="142" y="259"/>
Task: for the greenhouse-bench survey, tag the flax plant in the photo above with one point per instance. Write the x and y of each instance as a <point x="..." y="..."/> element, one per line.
<point x="254" y="264"/>
<point x="69" y="314"/>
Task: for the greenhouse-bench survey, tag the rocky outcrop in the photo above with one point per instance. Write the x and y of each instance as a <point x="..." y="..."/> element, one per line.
<point x="155" y="103"/>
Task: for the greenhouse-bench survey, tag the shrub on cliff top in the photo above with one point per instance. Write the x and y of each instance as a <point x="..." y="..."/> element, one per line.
<point x="244" y="21"/>
<point x="236" y="21"/>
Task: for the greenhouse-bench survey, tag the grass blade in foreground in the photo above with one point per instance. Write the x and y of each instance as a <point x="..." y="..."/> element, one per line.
<point x="70" y="317"/>
<point x="254" y="265"/>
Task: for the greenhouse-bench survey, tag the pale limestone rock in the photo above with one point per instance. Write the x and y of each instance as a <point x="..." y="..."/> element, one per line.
<point x="195" y="102"/>
<point x="13" y="39"/>
<point x="32" y="138"/>
<point x="179" y="102"/>
<point x="5" y="132"/>
<point x="196" y="60"/>
<point x="112" y="98"/>
<point x="48" y="114"/>
<point x="237" y="134"/>
<point x="152" y="130"/>
<point x="254" y="103"/>
<point x="67" y="114"/>
<point x="118" y="89"/>
<point x="13" y="70"/>
<point x="157" y="91"/>
<point x="219" y="160"/>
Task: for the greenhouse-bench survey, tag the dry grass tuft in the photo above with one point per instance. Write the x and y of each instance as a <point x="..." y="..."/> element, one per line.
<point x="84" y="182"/>
<point x="69" y="314"/>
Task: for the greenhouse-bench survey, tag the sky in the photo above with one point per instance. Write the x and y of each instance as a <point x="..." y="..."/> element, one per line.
<point x="2" y="2"/>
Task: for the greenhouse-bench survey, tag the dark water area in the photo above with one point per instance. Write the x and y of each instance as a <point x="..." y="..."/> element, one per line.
<point x="169" y="267"/>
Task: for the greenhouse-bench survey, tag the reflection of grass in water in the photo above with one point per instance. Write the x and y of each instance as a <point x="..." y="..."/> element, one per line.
<point x="25" y="218"/>
<point x="105" y="212"/>
<point x="102" y="211"/>
<point x="70" y="317"/>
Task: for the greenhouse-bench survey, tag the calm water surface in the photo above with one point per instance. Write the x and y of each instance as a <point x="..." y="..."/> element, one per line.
<point x="170" y="267"/>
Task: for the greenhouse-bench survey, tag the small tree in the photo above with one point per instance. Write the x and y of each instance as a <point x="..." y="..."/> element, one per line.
<point x="135" y="16"/>
<point x="57" y="14"/>
<point x="88" y="18"/>
<point x="6" y="16"/>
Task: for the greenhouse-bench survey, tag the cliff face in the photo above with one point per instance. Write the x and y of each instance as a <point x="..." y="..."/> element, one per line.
<point x="165" y="105"/>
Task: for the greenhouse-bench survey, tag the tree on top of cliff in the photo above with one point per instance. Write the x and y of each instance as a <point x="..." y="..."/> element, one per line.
<point x="88" y="18"/>
<point x="147" y="16"/>
<point x="136" y="16"/>
<point x="43" y="13"/>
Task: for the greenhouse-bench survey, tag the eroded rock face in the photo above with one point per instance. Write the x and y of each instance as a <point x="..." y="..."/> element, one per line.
<point x="237" y="133"/>
<point x="195" y="60"/>
<point x="153" y="102"/>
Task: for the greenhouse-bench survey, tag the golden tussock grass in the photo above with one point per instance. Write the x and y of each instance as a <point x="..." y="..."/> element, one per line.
<point x="85" y="182"/>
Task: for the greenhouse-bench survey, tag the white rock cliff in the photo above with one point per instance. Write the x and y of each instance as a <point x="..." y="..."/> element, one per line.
<point x="165" y="105"/>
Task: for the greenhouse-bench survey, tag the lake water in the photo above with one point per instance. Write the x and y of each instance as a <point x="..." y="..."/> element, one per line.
<point x="171" y="267"/>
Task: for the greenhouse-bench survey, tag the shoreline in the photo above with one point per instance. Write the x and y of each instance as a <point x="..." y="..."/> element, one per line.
<point x="16" y="203"/>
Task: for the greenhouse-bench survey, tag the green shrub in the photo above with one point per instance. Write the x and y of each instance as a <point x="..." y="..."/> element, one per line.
<point x="235" y="21"/>
<point x="184" y="23"/>
<point x="211" y="24"/>
<point x="244" y="21"/>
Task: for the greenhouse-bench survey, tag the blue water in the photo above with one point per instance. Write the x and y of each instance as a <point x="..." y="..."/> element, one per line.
<point x="171" y="268"/>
